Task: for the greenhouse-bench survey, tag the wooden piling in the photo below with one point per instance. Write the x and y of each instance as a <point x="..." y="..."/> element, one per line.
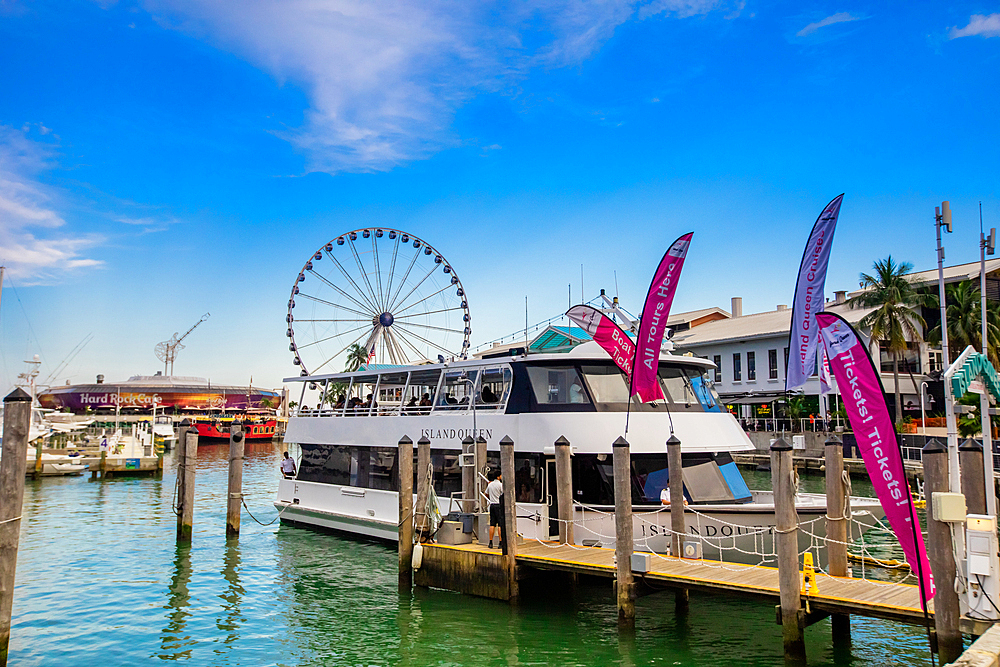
<point x="786" y="546"/>
<point x="836" y="530"/>
<point x="468" y="475"/>
<point x="970" y="461"/>
<point x="623" y="534"/>
<point x="423" y="484"/>
<point x="677" y="524"/>
<point x="564" y="490"/>
<point x="509" y="513"/>
<point x="940" y="552"/>
<point x="237" y="443"/>
<point x="16" y="423"/>
<point x="481" y="506"/>
<point x="38" y="459"/>
<point x="104" y="464"/>
<point x="675" y="468"/>
<point x="405" y="483"/>
<point x="185" y="511"/>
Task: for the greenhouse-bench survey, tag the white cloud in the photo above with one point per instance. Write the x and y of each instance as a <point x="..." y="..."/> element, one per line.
<point x="385" y="77"/>
<point x="984" y="26"/>
<point x="32" y="244"/>
<point x="839" y="17"/>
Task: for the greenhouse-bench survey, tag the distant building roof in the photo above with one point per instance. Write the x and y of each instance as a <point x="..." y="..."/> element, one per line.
<point x="952" y="274"/>
<point x="757" y="325"/>
<point x="693" y="315"/>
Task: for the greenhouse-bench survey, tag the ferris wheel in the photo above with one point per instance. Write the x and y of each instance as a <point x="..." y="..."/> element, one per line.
<point x="385" y="290"/>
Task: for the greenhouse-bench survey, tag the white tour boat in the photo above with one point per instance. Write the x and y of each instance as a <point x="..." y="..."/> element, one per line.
<point x="347" y="475"/>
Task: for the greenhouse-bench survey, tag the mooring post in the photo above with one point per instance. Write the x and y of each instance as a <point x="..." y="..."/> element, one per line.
<point x="16" y="423"/>
<point x="509" y="513"/>
<point x="185" y="513"/>
<point x="836" y="530"/>
<point x="480" y="472"/>
<point x="237" y="443"/>
<point x="625" y="587"/>
<point x="786" y="546"/>
<point x="405" y="484"/>
<point x="468" y="475"/>
<point x="38" y="460"/>
<point x="423" y="484"/>
<point x="104" y="463"/>
<point x="940" y="552"/>
<point x="970" y="461"/>
<point x="678" y="527"/>
<point x="564" y="490"/>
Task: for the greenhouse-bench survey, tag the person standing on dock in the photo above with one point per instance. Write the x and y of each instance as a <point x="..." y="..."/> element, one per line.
<point x="288" y="466"/>
<point x="493" y="492"/>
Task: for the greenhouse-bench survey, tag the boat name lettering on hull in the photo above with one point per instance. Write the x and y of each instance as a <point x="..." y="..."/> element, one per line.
<point x="455" y="433"/>
<point x="724" y="530"/>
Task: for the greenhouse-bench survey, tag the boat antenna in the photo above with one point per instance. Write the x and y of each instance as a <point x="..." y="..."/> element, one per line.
<point x="616" y="283"/>
<point x="525" y="325"/>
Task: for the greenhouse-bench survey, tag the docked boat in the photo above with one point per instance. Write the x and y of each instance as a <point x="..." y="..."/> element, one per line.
<point x="214" y="430"/>
<point x="347" y="475"/>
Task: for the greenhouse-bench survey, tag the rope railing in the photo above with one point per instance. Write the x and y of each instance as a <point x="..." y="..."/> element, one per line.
<point x="744" y="545"/>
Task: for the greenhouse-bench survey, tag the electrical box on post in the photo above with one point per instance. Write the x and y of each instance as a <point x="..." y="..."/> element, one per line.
<point x="982" y="567"/>
<point x="948" y="507"/>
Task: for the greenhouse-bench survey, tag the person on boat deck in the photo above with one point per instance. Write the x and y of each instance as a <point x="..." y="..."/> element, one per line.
<point x="353" y="405"/>
<point x="493" y="492"/>
<point x="288" y="466"/>
<point x="411" y="404"/>
<point x="425" y="402"/>
<point x="340" y="402"/>
<point x="665" y="496"/>
<point x="371" y="402"/>
<point x="487" y="395"/>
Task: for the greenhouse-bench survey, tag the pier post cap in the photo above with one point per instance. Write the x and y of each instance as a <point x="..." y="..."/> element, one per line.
<point x="237" y="424"/>
<point x="673" y="440"/>
<point x="424" y="441"/>
<point x="833" y="441"/>
<point x="185" y="423"/>
<point x="561" y="440"/>
<point x="970" y="445"/>
<point x="780" y="445"/>
<point x="507" y="441"/>
<point x="620" y="442"/>
<point x="17" y="396"/>
<point x="467" y="440"/>
<point x="934" y="446"/>
<point x="481" y="439"/>
<point x="405" y="440"/>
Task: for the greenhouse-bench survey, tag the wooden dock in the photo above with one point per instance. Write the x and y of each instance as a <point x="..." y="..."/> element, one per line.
<point x="457" y="567"/>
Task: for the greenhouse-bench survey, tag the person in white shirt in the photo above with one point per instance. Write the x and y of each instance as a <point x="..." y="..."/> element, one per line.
<point x="665" y="496"/>
<point x="493" y="492"/>
<point x="288" y="466"/>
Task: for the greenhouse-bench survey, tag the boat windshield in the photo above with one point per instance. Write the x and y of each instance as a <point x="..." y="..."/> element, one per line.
<point x="684" y="387"/>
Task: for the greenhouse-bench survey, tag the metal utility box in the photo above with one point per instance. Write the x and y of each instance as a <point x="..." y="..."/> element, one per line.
<point x="451" y="533"/>
<point x="982" y="567"/>
<point x="691" y="549"/>
<point x="798" y="442"/>
<point x="948" y="507"/>
<point x="640" y="561"/>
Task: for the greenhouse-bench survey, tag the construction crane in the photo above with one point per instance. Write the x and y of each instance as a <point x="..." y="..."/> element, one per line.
<point x="167" y="350"/>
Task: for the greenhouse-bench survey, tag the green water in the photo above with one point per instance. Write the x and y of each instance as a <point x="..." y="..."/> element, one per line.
<point x="100" y="581"/>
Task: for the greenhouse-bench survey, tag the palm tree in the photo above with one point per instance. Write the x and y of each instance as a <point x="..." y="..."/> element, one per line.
<point x="964" y="321"/>
<point x="894" y="318"/>
<point x="357" y="356"/>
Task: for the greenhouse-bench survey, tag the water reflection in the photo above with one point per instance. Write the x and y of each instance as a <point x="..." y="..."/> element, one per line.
<point x="232" y="617"/>
<point x="176" y="642"/>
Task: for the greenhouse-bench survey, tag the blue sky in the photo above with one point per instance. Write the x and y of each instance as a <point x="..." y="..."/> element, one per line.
<point x="167" y="158"/>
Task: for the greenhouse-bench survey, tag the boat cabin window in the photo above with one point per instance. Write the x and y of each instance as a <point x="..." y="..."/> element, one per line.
<point x="457" y="390"/>
<point x="557" y="385"/>
<point x="607" y="383"/>
<point x="708" y="479"/>
<point x="419" y="395"/>
<point x="688" y="388"/>
<point x="528" y="477"/>
<point x="494" y="388"/>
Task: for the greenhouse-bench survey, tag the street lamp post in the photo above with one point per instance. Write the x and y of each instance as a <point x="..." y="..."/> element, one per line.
<point x="923" y="415"/>
<point x="942" y="218"/>
<point x="987" y="246"/>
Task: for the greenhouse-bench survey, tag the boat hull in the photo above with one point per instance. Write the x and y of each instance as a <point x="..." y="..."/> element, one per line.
<point x="734" y="533"/>
<point x="216" y="432"/>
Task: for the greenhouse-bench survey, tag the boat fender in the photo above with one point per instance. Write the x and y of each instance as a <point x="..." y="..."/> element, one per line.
<point x="418" y="555"/>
